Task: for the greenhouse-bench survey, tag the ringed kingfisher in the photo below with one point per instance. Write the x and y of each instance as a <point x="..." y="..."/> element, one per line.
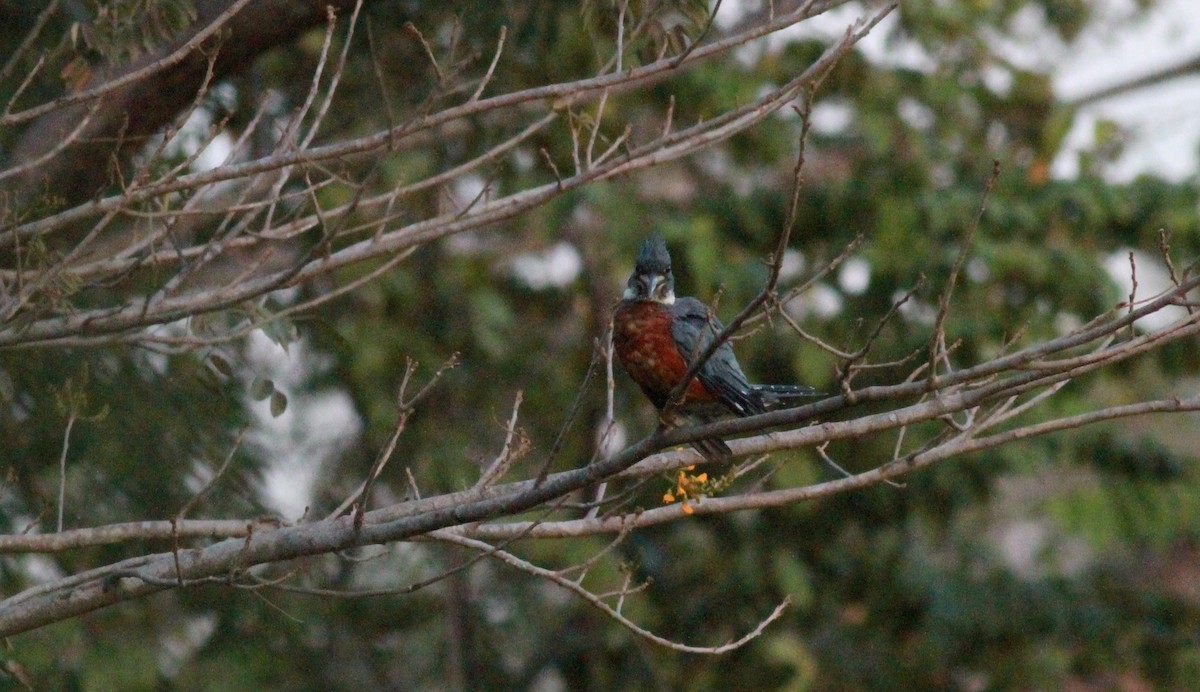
<point x="656" y="337"/>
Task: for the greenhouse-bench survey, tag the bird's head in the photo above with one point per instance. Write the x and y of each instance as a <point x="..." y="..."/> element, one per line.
<point x="652" y="279"/>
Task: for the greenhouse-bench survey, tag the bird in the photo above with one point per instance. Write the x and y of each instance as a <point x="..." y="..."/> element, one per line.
<point x="656" y="337"/>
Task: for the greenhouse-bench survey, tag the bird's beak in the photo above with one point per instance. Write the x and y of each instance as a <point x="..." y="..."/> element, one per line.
<point x="652" y="291"/>
<point x="646" y="287"/>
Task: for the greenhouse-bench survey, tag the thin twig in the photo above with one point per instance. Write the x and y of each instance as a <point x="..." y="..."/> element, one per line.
<point x="776" y="263"/>
<point x="574" y="91"/>
<point x="161" y="64"/>
<point x="416" y="33"/>
<point x="500" y="465"/>
<point x="1133" y="286"/>
<point x="36" y="30"/>
<point x="487" y="77"/>
<point x="195" y="500"/>
<point x="608" y="425"/>
<point x="712" y="16"/>
<point x="595" y="600"/>
<point x="570" y="419"/>
<point x="62" y="468"/>
<point x="937" y="342"/>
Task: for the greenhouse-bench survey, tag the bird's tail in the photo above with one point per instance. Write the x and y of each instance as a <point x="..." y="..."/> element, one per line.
<point x="773" y="395"/>
<point x="713" y="449"/>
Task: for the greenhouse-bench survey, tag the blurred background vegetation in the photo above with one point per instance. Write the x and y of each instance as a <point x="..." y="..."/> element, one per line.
<point x="1066" y="562"/>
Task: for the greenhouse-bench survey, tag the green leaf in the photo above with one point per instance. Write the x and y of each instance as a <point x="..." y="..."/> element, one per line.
<point x="278" y="403"/>
<point x="221" y="364"/>
<point x="99" y="415"/>
<point x="261" y="388"/>
<point x="282" y="331"/>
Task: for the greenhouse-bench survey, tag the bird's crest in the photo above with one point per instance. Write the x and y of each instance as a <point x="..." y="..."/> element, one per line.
<point x="654" y="258"/>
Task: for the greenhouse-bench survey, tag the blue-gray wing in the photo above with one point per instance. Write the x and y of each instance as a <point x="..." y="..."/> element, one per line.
<point x="693" y="329"/>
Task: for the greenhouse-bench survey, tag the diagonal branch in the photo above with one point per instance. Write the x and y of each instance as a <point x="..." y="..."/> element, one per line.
<point x="597" y="601"/>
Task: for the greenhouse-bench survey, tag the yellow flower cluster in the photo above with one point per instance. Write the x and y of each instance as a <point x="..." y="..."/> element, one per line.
<point x="690" y="488"/>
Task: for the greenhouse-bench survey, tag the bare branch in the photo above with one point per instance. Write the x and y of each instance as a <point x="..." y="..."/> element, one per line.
<point x="698" y="360"/>
<point x="39" y="24"/>
<point x="681" y="143"/>
<point x="487" y="77"/>
<point x="597" y="602"/>
<point x="503" y="461"/>
<point x="195" y="500"/>
<point x="712" y="16"/>
<point x="182" y="52"/>
<point x="937" y="343"/>
<point x="416" y="33"/>
<point x="608" y="425"/>
<point x="58" y="148"/>
<point x="62" y="468"/>
<point x="570" y="419"/>
<point x="570" y="93"/>
<point x="192" y="220"/>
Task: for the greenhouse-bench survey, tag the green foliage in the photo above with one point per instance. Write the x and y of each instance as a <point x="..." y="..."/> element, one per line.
<point x="127" y="28"/>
